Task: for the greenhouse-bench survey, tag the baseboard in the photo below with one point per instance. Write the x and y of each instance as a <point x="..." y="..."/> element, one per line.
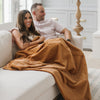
<point x="87" y="49"/>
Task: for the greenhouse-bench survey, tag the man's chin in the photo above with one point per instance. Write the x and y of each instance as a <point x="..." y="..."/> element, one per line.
<point x="42" y="19"/>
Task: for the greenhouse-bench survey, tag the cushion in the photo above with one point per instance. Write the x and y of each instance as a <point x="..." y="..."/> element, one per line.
<point x="24" y="85"/>
<point x="6" y="26"/>
<point x="5" y="47"/>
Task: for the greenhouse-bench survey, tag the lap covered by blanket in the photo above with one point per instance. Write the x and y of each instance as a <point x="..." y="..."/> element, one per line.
<point x="63" y="60"/>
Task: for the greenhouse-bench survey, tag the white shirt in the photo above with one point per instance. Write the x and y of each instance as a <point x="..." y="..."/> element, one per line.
<point x="48" y="28"/>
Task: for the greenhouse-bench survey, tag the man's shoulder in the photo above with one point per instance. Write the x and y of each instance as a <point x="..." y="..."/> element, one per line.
<point x="43" y="21"/>
<point x="48" y="20"/>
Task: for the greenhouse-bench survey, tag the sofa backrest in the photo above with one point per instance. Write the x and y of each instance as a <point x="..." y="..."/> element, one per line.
<point x="5" y="47"/>
<point x="7" y="50"/>
<point x="6" y="26"/>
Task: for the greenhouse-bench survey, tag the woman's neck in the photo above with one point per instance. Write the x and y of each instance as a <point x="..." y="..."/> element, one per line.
<point x="27" y="29"/>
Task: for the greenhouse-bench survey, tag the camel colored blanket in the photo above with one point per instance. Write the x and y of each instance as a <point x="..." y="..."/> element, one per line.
<point x="60" y="58"/>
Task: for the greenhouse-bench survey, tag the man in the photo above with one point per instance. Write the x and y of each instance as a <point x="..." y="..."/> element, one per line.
<point x="48" y="27"/>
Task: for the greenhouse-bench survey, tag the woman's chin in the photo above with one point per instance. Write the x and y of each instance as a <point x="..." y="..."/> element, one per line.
<point x="28" y="26"/>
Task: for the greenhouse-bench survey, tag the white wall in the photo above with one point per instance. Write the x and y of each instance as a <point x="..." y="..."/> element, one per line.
<point x="38" y="1"/>
<point x="65" y="12"/>
<point x="98" y="14"/>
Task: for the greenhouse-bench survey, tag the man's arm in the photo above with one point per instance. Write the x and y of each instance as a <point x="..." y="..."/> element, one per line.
<point x="67" y="34"/>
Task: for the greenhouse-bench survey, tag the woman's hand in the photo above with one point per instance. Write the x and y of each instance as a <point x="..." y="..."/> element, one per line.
<point x="37" y="40"/>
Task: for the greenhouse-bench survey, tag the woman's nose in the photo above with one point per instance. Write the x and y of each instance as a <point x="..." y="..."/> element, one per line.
<point x="28" y="19"/>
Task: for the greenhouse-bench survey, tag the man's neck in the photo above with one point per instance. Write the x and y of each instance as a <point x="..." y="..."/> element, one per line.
<point x="34" y="19"/>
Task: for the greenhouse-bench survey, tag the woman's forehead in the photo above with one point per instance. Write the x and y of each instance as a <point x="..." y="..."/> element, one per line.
<point x="27" y="14"/>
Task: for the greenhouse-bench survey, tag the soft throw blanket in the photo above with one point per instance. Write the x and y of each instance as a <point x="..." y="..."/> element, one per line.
<point x="60" y="58"/>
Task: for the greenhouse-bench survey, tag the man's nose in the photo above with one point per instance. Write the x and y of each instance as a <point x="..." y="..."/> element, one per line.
<point x="44" y="13"/>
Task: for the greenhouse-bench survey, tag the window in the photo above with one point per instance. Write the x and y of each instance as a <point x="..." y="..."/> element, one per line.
<point x="0" y="11"/>
<point x="20" y="5"/>
<point x="25" y="4"/>
<point x="9" y="9"/>
<point x="5" y="11"/>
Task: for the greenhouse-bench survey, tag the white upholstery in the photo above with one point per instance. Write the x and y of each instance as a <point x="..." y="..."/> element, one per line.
<point x="6" y="26"/>
<point x="77" y="41"/>
<point x="96" y="44"/>
<point x="5" y="47"/>
<point x="23" y="85"/>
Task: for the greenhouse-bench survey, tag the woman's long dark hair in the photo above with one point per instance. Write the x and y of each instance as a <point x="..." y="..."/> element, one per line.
<point x="21" y="26"/>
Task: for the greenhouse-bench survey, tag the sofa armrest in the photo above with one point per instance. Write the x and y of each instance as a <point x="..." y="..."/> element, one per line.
<point x="77" y="41"/>
<point x="5" y="47"/>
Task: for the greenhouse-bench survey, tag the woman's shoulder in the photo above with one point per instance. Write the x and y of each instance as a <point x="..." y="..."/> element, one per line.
<point x="15" y="29"/>
<point x="15" y="32"/>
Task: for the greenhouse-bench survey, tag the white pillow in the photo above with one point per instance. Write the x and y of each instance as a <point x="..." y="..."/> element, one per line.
<point x="5" y="47"/>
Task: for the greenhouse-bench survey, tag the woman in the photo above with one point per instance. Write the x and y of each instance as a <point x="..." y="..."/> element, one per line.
<point x="25" y="32"/>
<point x="60" y="58"/>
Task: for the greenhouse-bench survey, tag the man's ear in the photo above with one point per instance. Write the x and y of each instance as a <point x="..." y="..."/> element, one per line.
<point x="33" y="13"/>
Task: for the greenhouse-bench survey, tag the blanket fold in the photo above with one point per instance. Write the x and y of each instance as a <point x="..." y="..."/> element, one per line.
<point x="63" y="60"/>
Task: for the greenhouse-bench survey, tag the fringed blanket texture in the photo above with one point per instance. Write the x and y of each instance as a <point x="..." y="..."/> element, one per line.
<point x="63" y="60"/>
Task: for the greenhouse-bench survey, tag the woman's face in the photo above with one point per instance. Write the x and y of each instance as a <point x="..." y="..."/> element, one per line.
<point x="28" y="20"/>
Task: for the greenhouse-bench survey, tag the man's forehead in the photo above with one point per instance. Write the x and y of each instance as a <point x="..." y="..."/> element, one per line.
<point x="40" y="7"/>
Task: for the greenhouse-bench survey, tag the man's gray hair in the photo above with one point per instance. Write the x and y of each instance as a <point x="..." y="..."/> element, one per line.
<point x="34" y="6"/>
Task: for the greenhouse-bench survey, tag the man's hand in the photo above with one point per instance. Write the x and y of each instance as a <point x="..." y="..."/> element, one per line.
<point x="69" y="40"/>
<point x="67" y="33"/>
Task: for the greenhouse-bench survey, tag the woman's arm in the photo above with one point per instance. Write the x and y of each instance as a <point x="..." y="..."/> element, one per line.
<point x="37" y="40"/>
<point x="20" y="43"/>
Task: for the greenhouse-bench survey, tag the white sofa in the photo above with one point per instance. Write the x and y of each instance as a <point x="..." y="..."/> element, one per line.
<point x="24" y="85"/>
<point x="33" y="85"/>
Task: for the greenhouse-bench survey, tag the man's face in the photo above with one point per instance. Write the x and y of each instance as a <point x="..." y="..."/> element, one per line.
<point x="40" y="13"/>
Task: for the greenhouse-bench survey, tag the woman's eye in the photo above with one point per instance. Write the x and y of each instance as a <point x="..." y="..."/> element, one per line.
<point x="30" y="17"/>
<point x="25" y="17"/>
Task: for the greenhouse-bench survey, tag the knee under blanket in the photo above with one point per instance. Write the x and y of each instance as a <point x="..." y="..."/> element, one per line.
<point x="63" y="60"/>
